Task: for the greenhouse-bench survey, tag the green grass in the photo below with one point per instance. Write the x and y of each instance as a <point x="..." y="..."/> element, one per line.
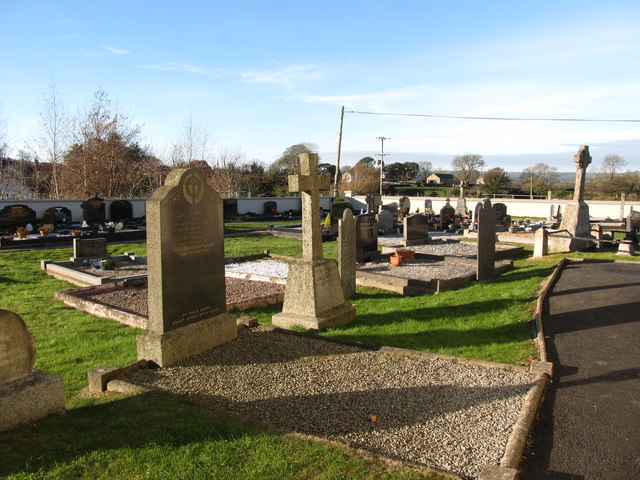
<point x="163" y="436"/>
<point x="250" y="226"/>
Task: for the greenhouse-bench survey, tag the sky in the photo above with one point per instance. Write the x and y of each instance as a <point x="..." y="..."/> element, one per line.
<point x="262" y="76"/>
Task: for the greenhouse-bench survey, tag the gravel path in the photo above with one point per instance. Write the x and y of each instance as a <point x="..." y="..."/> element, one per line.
<point x="416" y="408"/>
<point x="422" y="269"/>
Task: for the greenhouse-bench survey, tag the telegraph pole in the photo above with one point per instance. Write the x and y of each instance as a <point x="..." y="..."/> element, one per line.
<point x="381" y="155"/>
<point x="337" y="178"/>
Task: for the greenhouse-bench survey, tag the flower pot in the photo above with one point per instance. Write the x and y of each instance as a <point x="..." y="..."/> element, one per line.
<point x="43" y="233"/>
<point x="395" y="260"/>
<point x="22" y="235"/>
<point x="406" y="254"/>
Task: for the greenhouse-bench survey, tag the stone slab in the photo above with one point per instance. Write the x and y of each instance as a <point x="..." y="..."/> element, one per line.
<point x="171" y="347"/>
<point x="30" y="398"/>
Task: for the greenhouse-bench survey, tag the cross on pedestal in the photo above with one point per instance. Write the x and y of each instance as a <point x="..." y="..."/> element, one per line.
<point x="309" y="183"/>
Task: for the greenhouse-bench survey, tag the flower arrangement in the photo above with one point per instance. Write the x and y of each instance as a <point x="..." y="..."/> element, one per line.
<point x="106" y="264"/>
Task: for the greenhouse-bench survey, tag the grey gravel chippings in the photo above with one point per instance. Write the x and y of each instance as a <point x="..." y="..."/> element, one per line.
<point x="416" y="408"/>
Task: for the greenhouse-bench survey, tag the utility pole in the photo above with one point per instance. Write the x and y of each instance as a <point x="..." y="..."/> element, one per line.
<point x="381" y="155"/>
<point x="337" y="178"/>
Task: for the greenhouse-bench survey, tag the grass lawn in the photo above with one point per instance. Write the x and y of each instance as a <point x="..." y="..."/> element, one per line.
<point x="162" y="436"/>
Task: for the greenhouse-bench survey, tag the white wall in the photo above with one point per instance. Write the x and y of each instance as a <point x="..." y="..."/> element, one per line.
<point x="41" y="206"/>
<point x="515" y="207"/>
<point x="256" y="204"/>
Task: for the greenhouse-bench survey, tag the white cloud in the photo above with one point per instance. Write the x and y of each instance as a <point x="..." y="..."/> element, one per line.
<point x="181" y="67"/>
<point x="115" y="51"/>
<point x="287" y="77"/>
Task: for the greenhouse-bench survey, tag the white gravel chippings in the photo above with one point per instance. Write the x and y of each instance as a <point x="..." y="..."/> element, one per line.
<point x="421" y="409"/>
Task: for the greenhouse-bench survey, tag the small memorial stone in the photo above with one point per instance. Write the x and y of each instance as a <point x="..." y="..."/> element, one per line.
<point x="486" y="241"/>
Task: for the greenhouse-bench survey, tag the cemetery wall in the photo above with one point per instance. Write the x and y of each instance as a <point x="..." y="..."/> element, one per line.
<point x="515" y="207"/>
<point x="41" y="206"/>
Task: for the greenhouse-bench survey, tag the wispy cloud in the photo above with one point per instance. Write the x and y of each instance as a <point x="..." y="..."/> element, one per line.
<point x="287" y="77"/>
<point x="182" y="67"/>
<point x="115" y="51"/>
<point x="375" y="101"/>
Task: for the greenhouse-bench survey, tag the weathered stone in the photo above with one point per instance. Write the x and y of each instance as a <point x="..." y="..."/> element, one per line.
<point x="17" y="350"/>
<point x="541" y="243"/>
<point x="185" y="245"/>
<point x="486" y="241"/>
<point x="416" y="230"/>
<point x="447" y="215"/>
<point x="313" y="297"/>
<point x="347" y="253"/>
<point x="404" y="205"/>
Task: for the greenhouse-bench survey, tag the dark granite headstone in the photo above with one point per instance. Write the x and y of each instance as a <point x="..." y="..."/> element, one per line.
<point x="230" y="206"/>
<point x="366" y="237"/>
<point x="13" y="216"/>
<point x="416" y="230"/>
<point x="270" y="208"/>
<point x="447" y="215"/>
<point x="486" y="241"/>
<point x="374" y="200"/>
<point x="428" y="205"/>
<point x="336" y="210"/>
<point x="500" y="210"/>
<point x="385" y="222"/>
<point x="185" y="245"/>
<point x="120" y="210"/>
<point x="61" y="215"/>
<point x="90" y="248"/>
<point x="93" y="210"/>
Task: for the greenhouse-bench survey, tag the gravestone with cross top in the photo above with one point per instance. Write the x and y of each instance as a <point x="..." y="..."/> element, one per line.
<point x="313" y="298"/>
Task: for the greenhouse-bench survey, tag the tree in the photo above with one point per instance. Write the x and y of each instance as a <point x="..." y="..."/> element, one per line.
<point x="424" y="170"/>
<point x="467" y="167"/>
<point x="398" y="172"/>
<point x="229" y="172"/>
<point x="495" y="180"/>
<point x="367" y="162"/>
<point x="289" y="161"/>
<point x="612" y="163"/>
<point x="53" y="139"/>
<point x="105" y="159"/>
<point x="539" y="179"/>
<point x="364" y="179"/>
<point x="192" y="145"/>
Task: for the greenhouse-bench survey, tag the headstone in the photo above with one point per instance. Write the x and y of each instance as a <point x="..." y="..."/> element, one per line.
<point x="404" y="206"/>
<point x="89" y="248"/>
<point x="61" y="215"/>
<point x="347" y="253"/>
<point x="313" y="297"/>
<point x="13" y="216"/>
<point x="428" y="205"/>
<point x="575" y="219"/>
<point x="623" y="199"/>
<point x="270" y="208"/>
<point x="385" y="221"/>
<point x="93" y="211"/>
<point x="416" y="230"/>
<point x="120" y="210"/>
<point x="486" y="241"/>
<point x="541" y="243"/>
<point x="461" y="202"/>
<point x="230" y="207"/>
<point x="502" y="219"/>
<point x="26" y="394"/>
<point x="374" y="200"/>
<point x="633" y="221"/>
<point x="447" y="215"/>
<point x="367" y="237"/>
<point x="186" y="286"/>
<point x="336" y="210"/>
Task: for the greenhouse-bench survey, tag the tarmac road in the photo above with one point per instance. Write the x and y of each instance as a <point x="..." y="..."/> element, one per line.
<point x="589" y="422"/>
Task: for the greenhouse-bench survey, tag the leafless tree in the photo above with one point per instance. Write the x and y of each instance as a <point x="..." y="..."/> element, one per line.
<point x="539" y="179"/>
<point x="229" y="172"/>
<point x="289" y="161"/>
<point x="467" y="167"/>
<point x="612" y="163"/>
<point x="194" y="144"/>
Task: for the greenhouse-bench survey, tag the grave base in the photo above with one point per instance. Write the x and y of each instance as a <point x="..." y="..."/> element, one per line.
<point x="313" y="297"/>
<point x="171" y="347"/>
<point x="30" y="398"/>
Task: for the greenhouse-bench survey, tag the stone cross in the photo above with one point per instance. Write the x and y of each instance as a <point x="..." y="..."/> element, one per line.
<point x="309" y="183"/>
<point x="582" y="159"/>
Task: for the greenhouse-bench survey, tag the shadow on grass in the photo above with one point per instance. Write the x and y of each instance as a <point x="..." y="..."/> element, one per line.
<point x="133" y="422"/>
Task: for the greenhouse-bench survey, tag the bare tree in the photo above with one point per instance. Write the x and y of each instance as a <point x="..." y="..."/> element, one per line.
<point x="228" y="172"/>
<point x="612" y="163"/>
<point x="424" y="170"/>
<point x="467" y="167"/>
<point x="539" y="179"/>
<point x="53" y="140"/>
<point x="194" y="144"/>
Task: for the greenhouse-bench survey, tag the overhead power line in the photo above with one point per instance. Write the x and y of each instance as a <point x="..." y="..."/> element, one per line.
<point x="517" y="119"/>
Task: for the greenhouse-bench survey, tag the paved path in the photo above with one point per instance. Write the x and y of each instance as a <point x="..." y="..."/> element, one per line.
<point x="589" y="425"/>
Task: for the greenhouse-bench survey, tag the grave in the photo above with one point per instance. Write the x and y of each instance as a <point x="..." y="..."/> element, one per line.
<point x="575" y="221"/>
<point x="186" y="286"/>
<point x="416" y="230"/>
<point x="336" y="210"/>
<point x="13" y="216"/>
<point x="230" y="207"/>
<point x="502" y="219"/>
<point x="89" y="248"/>
<point x="633" y="221"/>
<point x="461" y="202"/>
<point x="374" y="201"/>
<point x="366" y="237"/>
<point x="120" y="210"/>
<point x="385" y="222"/>
<point x="347" y="253"/>
<point x="541" y="243"/>
<point x="428" y="206"/>
<point x="313" y="297"/>
<point x="404" y="206"/>
<point x="270" y="208"/>
<point x="486" y="241"/>
<point x="93" y="211"/>
<point x="61" y="215"/>
<point x="447" y="215"/>
<point x="26" y="394"/>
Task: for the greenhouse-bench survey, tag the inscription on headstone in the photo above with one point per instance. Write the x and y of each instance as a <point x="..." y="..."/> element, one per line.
<point x="13" y="216"/>
<point x="366" y="237"/>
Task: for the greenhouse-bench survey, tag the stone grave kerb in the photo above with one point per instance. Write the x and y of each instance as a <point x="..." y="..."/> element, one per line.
<point x="309" y="183"/>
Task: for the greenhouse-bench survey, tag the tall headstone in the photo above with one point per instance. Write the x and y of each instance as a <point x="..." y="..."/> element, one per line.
<point x="575" y="219"/>
<point x="404" y="206"/>
<point x="486" y="241"/>
<point x="447" y="215"/>
<point x="347" y="253"/>
<point x="541" y="243"/>
<point x="185" y="255"/>
<point x="26" y="394"/>
<point x="428" y="205"/>
<point x="385" y="221"/>
<point x="461" y="203"/>
<point x="623" y="198"/>
<point x="93" y="210"/>
<point x="367" y="237"/>
<point x="374" y="201"/>
<point x="416" y="230"/>
<point x="336" y="210"/>
<point x="313" y="297"/>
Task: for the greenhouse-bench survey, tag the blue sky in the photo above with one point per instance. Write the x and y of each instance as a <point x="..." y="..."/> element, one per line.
<point x="265" y="75"/>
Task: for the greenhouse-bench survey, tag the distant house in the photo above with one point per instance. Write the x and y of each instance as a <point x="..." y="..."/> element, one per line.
<point x="440" y="179"/>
